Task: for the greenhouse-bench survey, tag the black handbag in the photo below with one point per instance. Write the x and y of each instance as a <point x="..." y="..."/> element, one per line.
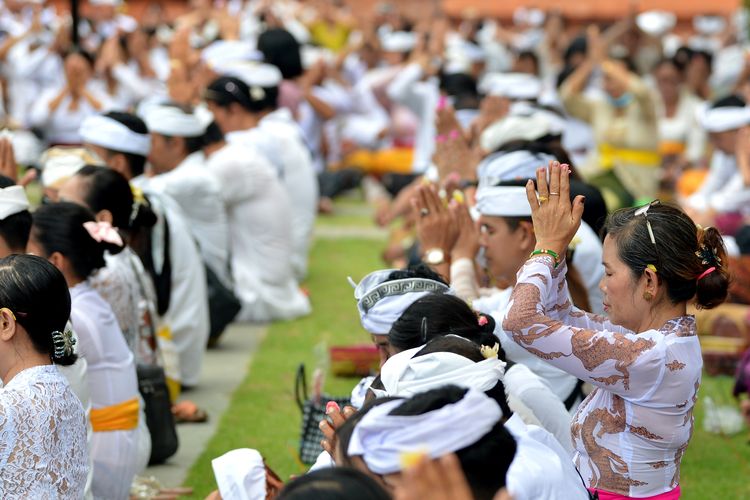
<point x="223" y="305"/>
<point x="312" y="413"/>
<point x="152" y="385"/>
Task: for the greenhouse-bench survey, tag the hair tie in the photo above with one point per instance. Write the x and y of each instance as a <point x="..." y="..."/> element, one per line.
<point x="103" y="231"/>
<point x="706" y="273"/>
<point x="63" y="343"/>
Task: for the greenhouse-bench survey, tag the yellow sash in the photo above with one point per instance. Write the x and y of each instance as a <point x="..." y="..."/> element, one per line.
<point x="610" y="155"/>
<point x="120" y="417"/>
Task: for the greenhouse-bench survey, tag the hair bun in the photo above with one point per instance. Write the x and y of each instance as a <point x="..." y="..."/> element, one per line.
<point x="711" y="287"/>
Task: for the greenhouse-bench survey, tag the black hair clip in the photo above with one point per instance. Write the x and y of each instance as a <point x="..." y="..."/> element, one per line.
<point x="708" y="256"/>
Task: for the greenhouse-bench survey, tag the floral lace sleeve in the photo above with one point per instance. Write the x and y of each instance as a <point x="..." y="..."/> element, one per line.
<point x="621" y="362"/>
<point x="43" y="451"/>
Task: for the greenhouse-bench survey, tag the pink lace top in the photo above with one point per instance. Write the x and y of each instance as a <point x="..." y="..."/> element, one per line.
<point x="631" y="432"/>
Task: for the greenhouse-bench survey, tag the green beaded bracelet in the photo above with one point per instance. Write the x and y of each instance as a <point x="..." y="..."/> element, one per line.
<point x="544" y="251"/>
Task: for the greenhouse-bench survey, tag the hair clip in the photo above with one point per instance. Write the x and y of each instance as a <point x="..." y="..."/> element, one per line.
<point x="63" y="343"/>
<point x="423" y="329"/>
<point x="708" y="255"/>
<point x="644" y="212"/>
<point x="482" y="320"/>
<point x="652" y="267"/>
<point x="490" y="352"/>
<point x="257" y="93"/>
<point x="103" y="231"/>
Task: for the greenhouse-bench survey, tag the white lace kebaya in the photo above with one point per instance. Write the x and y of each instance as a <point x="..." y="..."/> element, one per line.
<point x="43" y="452"/>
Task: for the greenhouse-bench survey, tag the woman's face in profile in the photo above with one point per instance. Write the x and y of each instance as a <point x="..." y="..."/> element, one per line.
<point x="621" y="301"/>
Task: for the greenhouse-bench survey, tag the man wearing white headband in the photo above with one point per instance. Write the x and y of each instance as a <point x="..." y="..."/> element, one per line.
<point x="244" y="105"/>
<point x="724" y="189"/>
<point x="180" y="171"/>
<point x="507" y="237"/>
<point x="382" y="296"/>
<point x="123" y="142"/>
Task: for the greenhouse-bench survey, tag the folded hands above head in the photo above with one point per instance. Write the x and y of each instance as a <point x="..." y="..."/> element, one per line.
<point x="556" y="219"/>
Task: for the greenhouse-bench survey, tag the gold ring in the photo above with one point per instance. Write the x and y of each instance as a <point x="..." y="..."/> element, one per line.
<point x="543" y="199"/>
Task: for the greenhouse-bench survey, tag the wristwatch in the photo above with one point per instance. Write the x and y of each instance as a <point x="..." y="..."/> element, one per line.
<point x="434" y="256"/>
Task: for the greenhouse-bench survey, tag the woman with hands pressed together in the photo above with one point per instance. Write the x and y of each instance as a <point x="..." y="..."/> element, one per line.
<point x="644" y="360"/>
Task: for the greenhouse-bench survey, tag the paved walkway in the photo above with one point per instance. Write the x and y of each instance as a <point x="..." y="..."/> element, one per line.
<point x="238" y="344"/>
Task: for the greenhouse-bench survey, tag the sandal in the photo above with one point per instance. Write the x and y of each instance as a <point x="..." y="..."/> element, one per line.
<point x="188" y="412"/>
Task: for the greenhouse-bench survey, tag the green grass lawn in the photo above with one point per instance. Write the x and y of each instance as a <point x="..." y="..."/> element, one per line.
<point x="263" y="414"/>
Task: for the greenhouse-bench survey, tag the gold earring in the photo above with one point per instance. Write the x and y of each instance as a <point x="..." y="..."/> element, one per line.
<point x="648" y="295"/>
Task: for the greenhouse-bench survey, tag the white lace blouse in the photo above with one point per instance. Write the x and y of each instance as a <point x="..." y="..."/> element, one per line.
<point x="631" y="432"/>
<point x="128" y="289"/>
<point x="43" y="450"/>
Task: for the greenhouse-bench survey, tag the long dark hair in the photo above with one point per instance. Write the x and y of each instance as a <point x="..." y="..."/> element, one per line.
<point x="58" y="227"/>
<point x="37" y="294"/>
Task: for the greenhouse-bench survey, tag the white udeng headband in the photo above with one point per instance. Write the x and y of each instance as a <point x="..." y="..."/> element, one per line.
<point x="107" y="133"/>
<point x="502" y="166"/>
<point x="404" y="375"/>
<point x="380" y="438"/>
<point x="12" y="201"/>
<point x="381" y="303"/>
<point x="724" y="119"/>
<point x="174" y="122"/>
<point x="503" y="201"/>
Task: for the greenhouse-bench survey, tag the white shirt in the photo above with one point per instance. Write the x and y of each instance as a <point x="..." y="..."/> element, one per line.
<point x="187" y="314"/>
<point x="280" y="140"/>
<point x="198" y="193"/>
<point x="723" y="190"/>
<point x="534" y="394"/>
<point x="124" y="284"/>
<point x="683" y="127"/>
<point x="62" y="125"/>
<point x="117" y="455"/>
<point x="29" y="72"/>
<point x="43" y="429"/>
<point x="631" y="432"/>
<point x="422" y="98"/>
<point x="561" y="383"/>
<point x="312" y="124"/>
<point x="541" y="469"/>
<point x="260" y="217"/>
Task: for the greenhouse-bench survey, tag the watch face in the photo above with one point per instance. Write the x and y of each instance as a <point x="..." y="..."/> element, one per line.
<point x="434" y="256"/>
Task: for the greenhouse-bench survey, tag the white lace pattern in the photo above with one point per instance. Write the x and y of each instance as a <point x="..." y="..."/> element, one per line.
<point x="43" y="452"/>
